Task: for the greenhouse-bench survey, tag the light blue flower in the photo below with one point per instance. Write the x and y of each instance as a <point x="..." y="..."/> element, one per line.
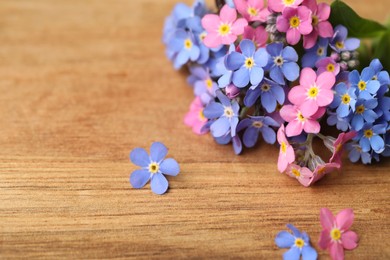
<point x="366" y="87"/>
<point x="271" y="93"/>
<point x="184" y="48"/>
<point x="364" y="112"/>
<point x="256" y="125"/>
<point x="356" y="153"/>
<point x="344" y="99"/>
<point x="342" y="123"/>
<point x="340" y="42"/>
<point x="370" y="137"/>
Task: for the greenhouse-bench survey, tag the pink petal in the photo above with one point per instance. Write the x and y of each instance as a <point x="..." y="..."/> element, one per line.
<point x="212" y="40"/>
<point x="325" y="97"/>
<point x="239" y="26"/>
<point x="312" y="127"/>
<point x="197" y="128"/>
<point x="337" y="251"/>
<point x="211" y="22"/>
<point x="344" y="219"/>
<point x="294" y="128"/>
<point x="228" y="14"/>
<point x="256" y="3"/>
<point x="308" y="77"/>
<point x="326" y="80"/>
<point x="276" y="5"/>
<point x="282" y="24"/>
<point x="288" y="113"/>
<point x="304" y="13"/>
<point x="241" y="7"/>
<point x="293" y="36"/>
<point x="281" y="136"/>
<point x="324" y="241"/>
<point x="323" y="11"/>
<point x="310" y="40"/>
<point x="349" y="240"/>
<point x="289" y="12"/>
<point x="325" y="29"/>
<point x="263" y="14"/>
<point x="321" y="111"/>
<point x="309" y="108"/>
<point x="297" y="95"/>
<point x="290" y="154"/>
<point x="282" y="162"/>
<point x="306" y="27"/>
<point x="189" y="119"/>
<point x="311" y="4"/>
<point x="326" y="218"/>
<point x="228" y="39"/>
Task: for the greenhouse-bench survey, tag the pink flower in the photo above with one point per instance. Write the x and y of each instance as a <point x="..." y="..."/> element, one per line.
<point x="338" y="146"/>
<point x="252" y="10"/>
<point x="321" y="27"/>
<point x="223" y="29"/>
<point x="313" y="92"/>
<point x="280" y="5"/>
<point x="286" y="154"/>
<point x="328" y="64"/>
<point x="323" y="169"/>
<point x="302" y="174"/>
<point x="298" y="123"/>
<point x="295" y="22"/>
<point x="195" y="118"/>
<point x="259" y="36"/>
<point x="335" y="235"/>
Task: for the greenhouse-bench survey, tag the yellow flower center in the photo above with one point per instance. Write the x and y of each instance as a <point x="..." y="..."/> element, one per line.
<point x="335" y="234"/>
<point x="153" y="167"/>
<point x="330" y="67"/>
<point x="299" y="242"/>
<point x="283" y="147"/>
<point x="345" y="99"/>
<point x="294" y="22"/>
<point x="252" y="11"/>
<point x="224" y="29"/>
<point x="360" y="109"/>
<point x="188" y="44"/>
<point x="288" y="2"/>
<point x="315" y="20"/>
<point x="297" y="174"/>
<point x="300" y="117"/>
<point x="313" y="92"/>
<point x="257" y="124"/>
<point x="278" y="61"/>
<point x="339" y="45"/>
<point x="265" y="87"/>
<point x="201" y="115"/>
<point x="209" y="83"/>
<point x="249" y="63"/>
<point x="228" y="112"/>
<point x="368" y="133"/>
<point x="320" y="51"/>
<point x="362" y="85"/>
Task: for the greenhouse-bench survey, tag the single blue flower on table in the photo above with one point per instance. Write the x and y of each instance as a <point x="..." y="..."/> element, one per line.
<point x="370" y="137"/>
<point x="299" y="244"/>
<point x="184" y="48"/>
<point x="365" y="85"/>
<point x="282" y="63"/>
<point x="271" y="93"/>
<point x="340" y="42"/>
<point x="153" y="168"/>
<point x="256" y="125"/>
<point x="226" y="114"/>
<point x="344" y="99"/>
<point x="342" y="123"/>
<point x="314" y="54"/>
<point x="356" y="153"/>
<point x="248" y="65"/>
<point x="364" y="112"/>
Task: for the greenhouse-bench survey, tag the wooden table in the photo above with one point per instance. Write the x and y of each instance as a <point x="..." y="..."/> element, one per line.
<point x="84" y="82"/>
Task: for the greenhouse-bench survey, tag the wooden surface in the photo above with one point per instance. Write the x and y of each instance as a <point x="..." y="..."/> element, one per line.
<point x="84" y="82"/>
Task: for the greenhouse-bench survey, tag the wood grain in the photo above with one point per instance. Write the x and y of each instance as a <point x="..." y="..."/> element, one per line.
<point x="84" y="82"/>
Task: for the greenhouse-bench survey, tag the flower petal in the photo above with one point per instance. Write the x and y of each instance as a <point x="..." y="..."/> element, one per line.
<point x="326" y="218"/>
<point x="337" y="251"/>
<point x="158" y="151"/>
<point x="213" y="110"/>
<point x="256" y="75"/>
<point x="228" y="14"/>
<point x="159" y="184"/>
<point x="284" y="239"/>
<point x="139" y="178"/>
<point x="324" y="241"/>
<point x="309" y="253"/>
<point x="170" y="167"/>
<point x="344" y="219"/>
<point x="220" y="127"/>
<point x="139" y="157"/>
<point x="349" y="240"/>
<point x="290" y="71"/>
<point x="293" y="254"/>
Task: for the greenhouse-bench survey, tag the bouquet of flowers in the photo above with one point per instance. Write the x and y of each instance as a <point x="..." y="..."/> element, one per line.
<point x="283" y="70"/>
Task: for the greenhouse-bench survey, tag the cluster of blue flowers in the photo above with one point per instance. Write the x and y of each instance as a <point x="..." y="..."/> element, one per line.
<point x="363" y="106"/>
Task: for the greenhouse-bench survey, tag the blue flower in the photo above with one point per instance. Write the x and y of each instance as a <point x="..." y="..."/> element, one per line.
<point x="369" y="137"/>
<point x="342" y="123"/>
<point x="184" y="48"/>
<point x="282" y="63"/>
<point x="314" y="54"/>
<point x="386" y="152"/>
<point x="248" y="65"/>
<point x="256" y="125"/>
<point x="340" y="43"/>
<point x="380" y="75"/>
<point x="356" y="153"/>
<point x="271" y="93"/>
<point x="365" y="85"/>
<point x="299" y="244"/>
<point x="204" y="86"/>
<point x="364" y="113"/>
<point x="344" y="100"/>
<point x="225" y="73"/>
<point x="153" y="168"/>
<point x="226" y="114"/>
<point x="383" y="109"/>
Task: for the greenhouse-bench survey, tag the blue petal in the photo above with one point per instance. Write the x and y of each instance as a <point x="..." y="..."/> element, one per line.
<point x="274" y="49"/>
<point x="213" y="110"/>
<point x="295" y="231"/>
<point x="269" y="135"/>
<point x="269" y="102"/>
<point x="277" y="75"/>
<point x="170" y="167"/>
<point x="234" y="61"/>
<point x="233" y="125"/>
<point x="256" y="75"/>
<point x="357" y="122"/>
<point x="241" y="77"/>
<point x="139" y="157"/>
<point x="377" y="144"/>
<point x="370" y="116"/>
<point x="373" y="86"/>
<point x="225" y="80"/>
<point x="247" y="48"/>
<point x="371" y="104"/>
<point x="367" y="74"/>
<point x="290" y="71"/>
<point x="352" y="44"/>
<point x="181" y="59"/>
<point x="250" y="137"/>
<point x="309" y="253"/>
<point x="366" y="158"/>
<point x="159" y="184"/>
<point x="223" y="99"/>
<point x="343" y="110"/>
<point x="237" y="145"/>
<point x="284" y="239"/>
<point x="354" y="77"/>
<point x="251" y="96"/>
<point x="220" y="127"/>
<point x="354" y="155"/>
<point x="158" y="151"/>
<point x="279" y="93"/>
<point x="289" y="54"/>
<point x="243" y="124"/>
<point x="261" y="57"/>
<point x="223" y="139"/>
<point x="376" y="65"/>
<point x="379" y="129"/>
<point x="309" y="59"/>
<point x="365" y="144"/>
<point x="139" y="178"/>
<point x="293" y="254"/>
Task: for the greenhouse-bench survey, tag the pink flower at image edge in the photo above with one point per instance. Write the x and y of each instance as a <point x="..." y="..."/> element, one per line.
<point x="195" y="118"/>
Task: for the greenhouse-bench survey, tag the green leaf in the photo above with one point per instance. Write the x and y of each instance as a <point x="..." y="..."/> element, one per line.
<point x="356" y="25"/>
<point x="382" y="50"/>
